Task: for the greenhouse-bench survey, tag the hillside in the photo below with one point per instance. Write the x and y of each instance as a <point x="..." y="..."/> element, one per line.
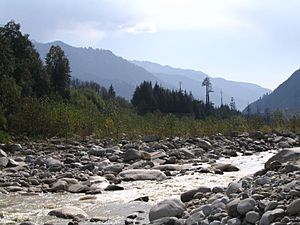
<point x="285" y="97"/>
<point x="105" y="68"/>
<point x="101" y="66"/>
<point x="242" y="92"/>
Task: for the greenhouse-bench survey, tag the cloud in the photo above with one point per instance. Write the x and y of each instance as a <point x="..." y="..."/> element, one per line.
<point x="141" y="27"/>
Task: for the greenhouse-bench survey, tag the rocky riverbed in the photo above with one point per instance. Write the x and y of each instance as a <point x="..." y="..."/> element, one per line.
<point x="97" y="181"/>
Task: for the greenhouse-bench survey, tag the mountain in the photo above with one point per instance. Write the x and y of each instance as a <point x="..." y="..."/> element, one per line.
<point x="285" y="97"/>
<point x="103" y="67"/>
<point x="191" y="80"/>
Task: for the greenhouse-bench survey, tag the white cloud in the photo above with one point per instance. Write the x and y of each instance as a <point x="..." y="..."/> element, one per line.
<point x="140" y="27"/>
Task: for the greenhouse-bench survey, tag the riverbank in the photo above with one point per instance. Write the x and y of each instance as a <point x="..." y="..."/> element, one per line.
<point x="109" y="177"/>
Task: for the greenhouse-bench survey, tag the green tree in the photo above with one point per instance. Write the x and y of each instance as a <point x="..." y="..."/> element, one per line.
<point x="111" y="92"/>
<point x="208" y="88"/>
<point x="58" y="67"/>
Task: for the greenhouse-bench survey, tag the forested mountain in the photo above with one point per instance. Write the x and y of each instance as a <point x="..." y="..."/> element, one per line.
<point x="191" y="80"/>
<point x="285" y="97"/>
<point x="105" y="68"/>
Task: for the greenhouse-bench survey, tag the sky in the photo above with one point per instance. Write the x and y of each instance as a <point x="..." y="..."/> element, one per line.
<point x="255" y="41"/>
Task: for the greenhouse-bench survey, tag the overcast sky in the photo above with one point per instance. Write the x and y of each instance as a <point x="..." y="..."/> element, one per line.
<point x="256" y="41"/>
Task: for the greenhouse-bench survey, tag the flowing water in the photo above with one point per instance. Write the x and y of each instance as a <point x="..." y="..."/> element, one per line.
<point x="115" y="206"/>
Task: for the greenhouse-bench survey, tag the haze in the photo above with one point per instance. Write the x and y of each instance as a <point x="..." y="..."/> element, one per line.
<point x="253" y="41"/>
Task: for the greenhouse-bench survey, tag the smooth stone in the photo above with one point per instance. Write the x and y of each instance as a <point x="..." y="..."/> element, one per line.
<point x="2" y="153"/>
<point x="195" y="218"/>
<point x="142" y="174"/>
<point x="68" y="212"/>
<point x="269" y="216"/>
<point x="233" y="188"/>
<point x="15" y="147"/>
<point x="151" y="138"/>
<point x="225" y="167"/>
<point x="284" y="155"/>
<point x="113" y="188"/>
<point x="252" y="217"/>
<point x="78" y="188"/>
<point x="167" y="221"/>
<point x="294" y="207"/>
<point x="232" y="207"/>
<point x="131" y="154"/>
<point x="168" y="167"/>
<point x="234" y="221"/>
<point x="245" y="206"/>
<point x="59" y="185"/>
<point x="204" y="144"/>
<point x="4" y="161"/>
<point x="189" y="195"/>
<point x="166" y="208"/>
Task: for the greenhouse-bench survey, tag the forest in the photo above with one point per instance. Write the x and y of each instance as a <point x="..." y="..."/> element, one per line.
<point x="39" y="98"/>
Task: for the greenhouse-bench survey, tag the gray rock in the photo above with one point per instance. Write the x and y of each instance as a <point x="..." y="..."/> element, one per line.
<point x="117" y="168"/>
<point x="283" y="144"/>
<point x="234" y="221"/>
<point x="97" y="151"/>
<point x="78" y="188"/>
<point x="233" y="188"/>
<point x="2" y="153"/>
<point x="14" y="188"/>
<point x="294" y="207"/>
<point x="270" y="216"/>
<point x="167" y="221"/>
<point x="204" y="144"/>
<point x="15" y="147"/>
<point x="151" y="138"/>
<point x="59" y="186"/>
<point x="51" y="162"/>
<point x="168" y="167"/>
<point x="195" y="218"/>
<point x="68" y="212"/>
<point x="225" y="167"/>
<point x="246" y="205"/>
<point x="271" y="205"/>
<point x="142" y="174"/>
<point x="188" y="195"/>
<point x="131" y="154"/>
<point x="232" y="207"/>
<point x="252" y="217"/>
<point x="166" y="208"/>
<point x="3" y="161"/>
<point x="284" y="155"/>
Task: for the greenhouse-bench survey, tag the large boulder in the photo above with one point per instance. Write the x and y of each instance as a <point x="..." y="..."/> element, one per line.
<point x="166" y="208"/>
<point x="284" y="155"/>
<point x="68" y="212"/>
<point x="142" y="174"/>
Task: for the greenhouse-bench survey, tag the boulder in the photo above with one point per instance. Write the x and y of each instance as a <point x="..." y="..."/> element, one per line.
<point x="294" y="207"/>
<point x="225" y="167"/>
<point x="142" y="174"/>
<point x="245" y="206"/>
<point x="284" y="155"/>
<point x="167" y="221"/>
<point x="252" y="217"/>
<point x="188" y="195"/>
<point x="3" y="161"/>
<point x="2" y="153"/>
<point x="204" y="144"/>
<point x="151" y="138"/>
<point x="166" y="208"/>
<point x="233" y="188"/>
<point x="131" y="154"/>
<point x="78" y="188"/>
<point x="68" y="212"/>
<point x="270" y="216"/>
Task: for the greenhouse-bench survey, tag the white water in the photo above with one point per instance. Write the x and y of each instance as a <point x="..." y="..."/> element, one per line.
<point x="115" y="206"/>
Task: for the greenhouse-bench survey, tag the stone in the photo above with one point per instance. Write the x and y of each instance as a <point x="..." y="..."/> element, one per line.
<point x="2" y="153"/>
<point x="142" y="174"/>
<point x="252" y="217"/>
<point x="167" y="221"/>
<point x="204" y="144"/>
<point x="231" y="207"/>
<point x="59" y="185"/>
<point x="166" y="208"/>
<point x="270" y="216"/>
<point x="131" y="154"/>
<point x="4" y="161"/>
<point x="169" y="167"/>
<point x="245" y="206"/>
<point x="233" y="188"/>
<point x="234" y="221"/>
<point x="78" y="188"/>
<point x="15" y="147"/>
<point x="285" y="155"/>
<point x="68" y="212"/>
<point x="188" y="195"/>
<point x="294" y="207"/>
<point x="113" y="188"/>
<point x="98" y="182"/>
<point x="195" y="218"/>
<point x="225" y="167"/>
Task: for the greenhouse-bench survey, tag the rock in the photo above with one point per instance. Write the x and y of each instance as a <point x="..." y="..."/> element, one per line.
<point x="113" y="188"/>
<point x="4" y="161"/>
<point x="284" y="155"/>
<point x="231" y="207"/>
<point x="2" y="153"/>
<point x="283" y="144"/>
<point x="225" y="167"/>
<point x="167" y="221"/>
<point x="151" y="138"/>
<point x="233" y="188"/>
<point x="14" y="188"/>
<point x="157" y="155"/>
<point x="246" y="205"/>
<point x="270" y="216"/>
<point x="131" y="154"/>
<point x="142" y="199"/>
<point x="166" y="208"/>
<point x="97" y="151"/>
<point x="188" y="195"/>
<point x="51" y="162"/>
<point x="12" y="163"/>
<point x="204" y="144"/>
<point x="168" y="167"/>
<point x="142" y="174"/>
<point x="68" y="212"/>
<point x="59" y="186"/>
<point x="234" y="221"/>
<point x="78" y="188"/>
<point x="195" y="218"/>
<point x="15" y="147"/>
<point x="252" y="217"/>
<point x="98" y="182"/>
<point x="294" y="207"/>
